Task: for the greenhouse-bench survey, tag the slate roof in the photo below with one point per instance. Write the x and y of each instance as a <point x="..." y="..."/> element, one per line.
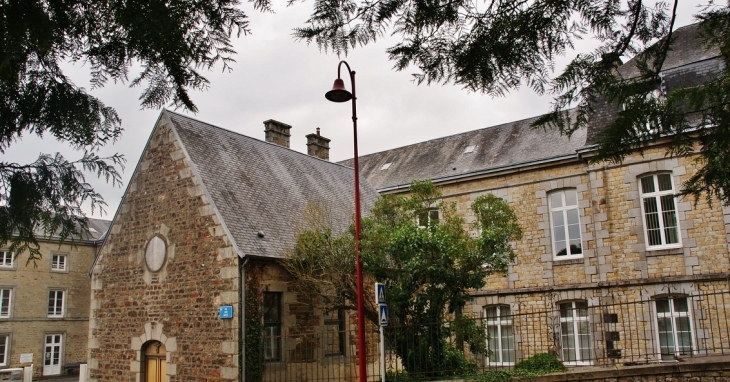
<point x="260" y="186"/>
<point x="97" y="230"/>
<point x="689" y="63"/>
<point x="496" y="147"/>
<point x="515" y="144"/>
<point x="686" y="48"/>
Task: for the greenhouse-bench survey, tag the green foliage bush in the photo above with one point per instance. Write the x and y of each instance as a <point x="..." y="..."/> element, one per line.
<point x="541" y="363"/>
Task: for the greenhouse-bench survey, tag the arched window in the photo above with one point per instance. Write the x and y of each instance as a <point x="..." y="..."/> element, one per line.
<point x="154" y="362"/>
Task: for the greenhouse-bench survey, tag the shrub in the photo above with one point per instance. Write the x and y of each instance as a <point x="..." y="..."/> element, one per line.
<point x="542" y="363"/>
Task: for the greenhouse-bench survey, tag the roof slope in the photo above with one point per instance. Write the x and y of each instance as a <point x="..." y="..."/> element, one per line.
<point x="496" y="147"/>
<point x="686" y="48"/>
<point x="259" y="186"/>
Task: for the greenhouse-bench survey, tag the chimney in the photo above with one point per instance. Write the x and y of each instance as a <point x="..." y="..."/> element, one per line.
<point x="277" y="132"/>
<point x="318" y="146"/>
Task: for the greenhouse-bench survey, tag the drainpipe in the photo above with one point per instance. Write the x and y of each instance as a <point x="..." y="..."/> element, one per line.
<point x="242" y="315"/>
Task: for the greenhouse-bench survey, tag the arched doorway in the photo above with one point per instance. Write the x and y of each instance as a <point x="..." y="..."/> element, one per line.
<point x="154" y="361"/>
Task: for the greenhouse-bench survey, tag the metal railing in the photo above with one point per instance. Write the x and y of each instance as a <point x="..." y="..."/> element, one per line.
<point x="606" y="334"/>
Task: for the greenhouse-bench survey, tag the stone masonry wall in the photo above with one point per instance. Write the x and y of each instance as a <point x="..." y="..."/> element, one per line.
<point x="178" y="305"/>
<point x="611" y="224"/>
<point x="29" y="323"/>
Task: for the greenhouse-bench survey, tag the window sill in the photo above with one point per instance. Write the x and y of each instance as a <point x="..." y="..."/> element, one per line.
<point x="567" y="261"/>
<point x="665" y="251"/>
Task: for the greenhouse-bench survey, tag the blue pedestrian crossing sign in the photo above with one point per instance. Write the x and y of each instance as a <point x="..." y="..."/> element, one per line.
<point x="383" y="315"/>
<point x="379" y="293"/>
<point x="225" y="312"/>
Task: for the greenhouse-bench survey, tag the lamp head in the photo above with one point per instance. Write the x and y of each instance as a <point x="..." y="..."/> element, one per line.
<point x="338" y="92"/>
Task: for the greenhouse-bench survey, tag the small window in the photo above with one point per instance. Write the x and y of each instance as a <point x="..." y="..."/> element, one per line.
<point x="272" y="326"/>
<point x="386" y="166"/>
<point x="6" y="259"/>
<point x="5" y="301"/>
<point x="469" y="149"/>
<point x="660" y="211"/>
<point x="58" y="263"/>
<point x="429" y="218"/>
<point x="575" y="332"/>
<point x="4" y="347"/>
<point x="565" y="224"/>
<point x="334" y="332"/>
<point x="674" y="327"/>
<point x="500" y="334"/>
<point x="55" y="303"/>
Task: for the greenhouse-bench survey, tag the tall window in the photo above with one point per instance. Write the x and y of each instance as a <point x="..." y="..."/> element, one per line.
<point x="6" y="259"/>
<point x="428" y="218"/>
<point x="272" y="326"/>
<point x="55" y="303"/>
<point x="674" y="327"/>
<point x="58" y="263"/>
<point x="334" y="332"/>
<point x="5" y="300"/>
<point x="565" y="223"/>
<point x="4" y="345"/>
<point x="575" y="332"/>
<point x="501" y="336"/>
<point x="660" y="211"/>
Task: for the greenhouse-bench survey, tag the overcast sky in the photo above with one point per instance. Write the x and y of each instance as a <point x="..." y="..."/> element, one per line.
<point x="276" y="77"/>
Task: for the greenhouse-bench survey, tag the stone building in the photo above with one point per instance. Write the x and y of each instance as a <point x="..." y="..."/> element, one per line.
<point x="597" y="237"/>
<point x="208" y="213"/>
<point x="198" y="235"/>
<point x="44" y="307"/>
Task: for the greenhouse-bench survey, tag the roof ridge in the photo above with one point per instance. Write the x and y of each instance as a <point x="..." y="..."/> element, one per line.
<point x="454" y="135"/>
<point x="254" y="139"/>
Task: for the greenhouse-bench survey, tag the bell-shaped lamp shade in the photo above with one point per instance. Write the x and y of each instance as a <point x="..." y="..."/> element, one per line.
<point x="338" y="92"/>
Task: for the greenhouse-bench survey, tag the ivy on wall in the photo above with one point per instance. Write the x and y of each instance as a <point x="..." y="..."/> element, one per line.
<point x="254" y="323"/>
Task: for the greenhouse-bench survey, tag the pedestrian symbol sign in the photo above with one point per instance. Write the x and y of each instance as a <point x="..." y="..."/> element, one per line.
<point x="379" y="293"/>
<point x="383" y="315"/>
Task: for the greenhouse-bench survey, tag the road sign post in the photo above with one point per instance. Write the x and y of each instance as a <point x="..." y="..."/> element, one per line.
<point x="383" y="318"/>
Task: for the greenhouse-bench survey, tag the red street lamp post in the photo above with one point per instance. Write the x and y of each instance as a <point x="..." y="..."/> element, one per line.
<point x="340" y="94"/>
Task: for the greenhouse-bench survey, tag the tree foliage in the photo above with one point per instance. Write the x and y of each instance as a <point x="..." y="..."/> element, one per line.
<point x="496" y="46"/>
<point x="428" y="271"/>
<point x="171" y="40"/>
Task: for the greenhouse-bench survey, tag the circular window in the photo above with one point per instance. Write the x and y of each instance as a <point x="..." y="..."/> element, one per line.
<point x="155" y="254"/>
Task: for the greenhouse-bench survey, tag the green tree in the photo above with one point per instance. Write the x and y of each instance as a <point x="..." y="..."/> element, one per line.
<point x="428" y="265"/>
<point x="499" y="45"/>
<point x="171" y="40"/>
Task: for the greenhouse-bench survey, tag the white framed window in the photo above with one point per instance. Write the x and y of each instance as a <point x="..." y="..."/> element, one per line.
<point x="6" y="298"/>
<point x="575" y="333"/>
<point x="4" y="349"/>
<point x="659" y="211"/>
<point x="565" y="224"/>
<point x="6" y="259"/>
<point x="56" y="302"/>
<point x="429" y="218"/>
<point x="674" y="327"/>
<point x="500" y="335"/>
<point x="58" y="262"/>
